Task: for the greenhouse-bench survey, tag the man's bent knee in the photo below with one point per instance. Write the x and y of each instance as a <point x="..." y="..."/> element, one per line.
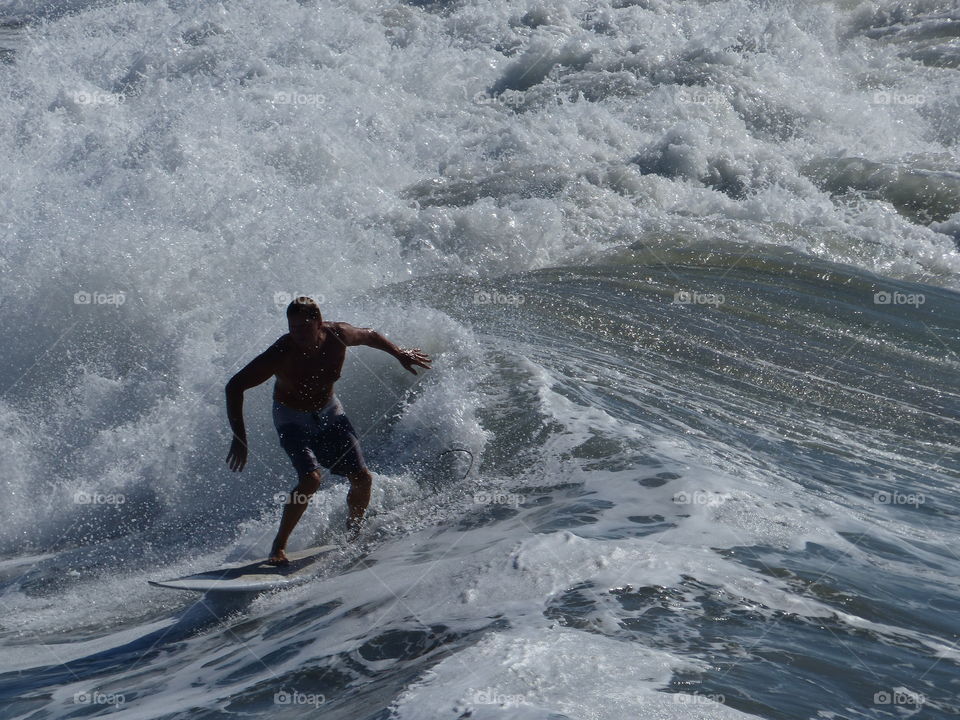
<point x="308" y="485"/>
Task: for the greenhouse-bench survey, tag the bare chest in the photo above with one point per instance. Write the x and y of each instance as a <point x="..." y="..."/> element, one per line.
<point x="315" y="370"/>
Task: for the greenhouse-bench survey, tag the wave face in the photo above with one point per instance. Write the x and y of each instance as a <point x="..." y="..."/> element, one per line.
<point x="689" y="275"/>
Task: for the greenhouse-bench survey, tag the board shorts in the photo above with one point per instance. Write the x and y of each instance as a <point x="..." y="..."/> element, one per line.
<point x="321" y="438"/>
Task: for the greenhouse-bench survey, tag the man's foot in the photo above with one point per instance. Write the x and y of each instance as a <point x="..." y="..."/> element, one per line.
<point x="278" y="557"/>
<point x="354" y="528"/>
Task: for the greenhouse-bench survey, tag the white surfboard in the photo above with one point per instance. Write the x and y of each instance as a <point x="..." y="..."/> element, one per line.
<point x="252" y="577"/>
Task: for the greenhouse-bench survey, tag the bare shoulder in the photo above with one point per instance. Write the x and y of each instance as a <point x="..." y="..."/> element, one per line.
<point x="349" y="334"/>
<point x="260" y="369"/>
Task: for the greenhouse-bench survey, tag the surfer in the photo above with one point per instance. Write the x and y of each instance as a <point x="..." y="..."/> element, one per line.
<point x="311" y="424"/>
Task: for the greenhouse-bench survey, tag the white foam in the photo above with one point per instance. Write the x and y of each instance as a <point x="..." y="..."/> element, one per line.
<point x="534" y="671"/>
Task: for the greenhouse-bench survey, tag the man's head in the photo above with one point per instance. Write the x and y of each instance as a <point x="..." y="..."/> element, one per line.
<point x="305" y="321"/>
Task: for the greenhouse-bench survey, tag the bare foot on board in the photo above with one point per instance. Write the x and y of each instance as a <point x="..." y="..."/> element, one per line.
<point x="278" y="557"/>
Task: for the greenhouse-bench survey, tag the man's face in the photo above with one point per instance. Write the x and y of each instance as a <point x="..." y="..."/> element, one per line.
<point x="304" y="332"/>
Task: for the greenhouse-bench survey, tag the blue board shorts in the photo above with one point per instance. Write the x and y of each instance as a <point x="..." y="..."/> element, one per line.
<point x="322" y="438"/>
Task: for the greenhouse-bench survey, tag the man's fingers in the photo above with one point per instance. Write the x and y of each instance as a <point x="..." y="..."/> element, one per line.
<point x="235" y="462"/>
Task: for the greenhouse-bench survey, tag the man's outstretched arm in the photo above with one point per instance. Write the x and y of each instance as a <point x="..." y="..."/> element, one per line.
<point x="257" y="371"/>
<point x="408" y="357"/>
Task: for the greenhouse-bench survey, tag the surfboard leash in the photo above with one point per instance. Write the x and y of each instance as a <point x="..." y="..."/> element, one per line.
<point x="463" y="450"/>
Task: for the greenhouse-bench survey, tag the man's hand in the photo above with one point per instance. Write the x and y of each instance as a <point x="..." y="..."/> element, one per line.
<point x="237" y="457"/>
<point x="410" y="357"/>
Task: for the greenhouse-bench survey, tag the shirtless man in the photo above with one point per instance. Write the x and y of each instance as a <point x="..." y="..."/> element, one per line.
<point x="309" y="418"/>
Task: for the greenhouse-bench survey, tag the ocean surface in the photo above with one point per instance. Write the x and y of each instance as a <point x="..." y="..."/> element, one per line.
<point x="688" y="272"/>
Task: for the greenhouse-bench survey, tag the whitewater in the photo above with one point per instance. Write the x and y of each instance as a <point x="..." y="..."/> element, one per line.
<point x="689" y="276"/>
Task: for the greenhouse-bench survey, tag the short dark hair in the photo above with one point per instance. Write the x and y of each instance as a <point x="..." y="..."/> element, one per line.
<point x="305" y="307"/>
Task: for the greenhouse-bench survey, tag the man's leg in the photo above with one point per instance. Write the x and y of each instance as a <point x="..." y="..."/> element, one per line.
<point x="357" y="499"/>
<point x="293" y="511"/>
